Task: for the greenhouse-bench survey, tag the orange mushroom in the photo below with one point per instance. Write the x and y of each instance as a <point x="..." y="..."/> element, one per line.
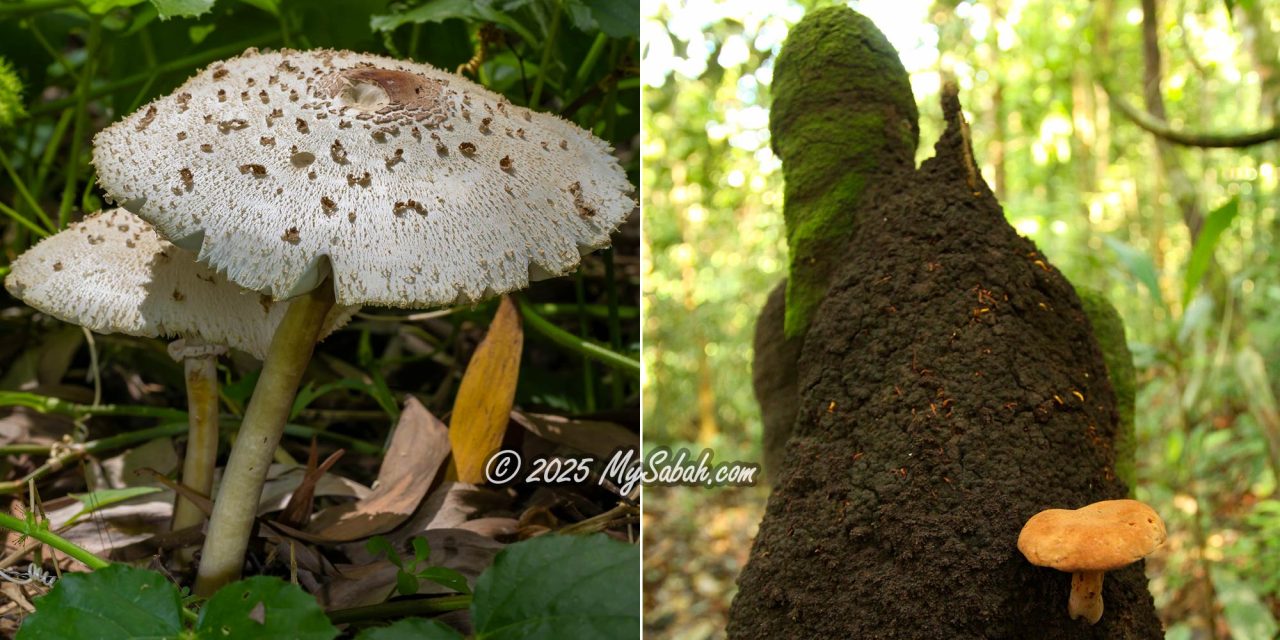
<point x="1088" y="542"/>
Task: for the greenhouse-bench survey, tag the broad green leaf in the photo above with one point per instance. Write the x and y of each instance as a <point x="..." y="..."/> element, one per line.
<point x="560" y="587"/>
<point x="182" y="8"/>
<point x="617" y="18"/>
<point x="1139" y="265"/>
<point x="1202" y="253"/>
<point x="197" y="33"/>
<point x="264" y="608"/>
<point x="486" y="395"/>
<point x="116" y="602"/>
<point x="446" y="578"/>
<point x="412" y="629"/>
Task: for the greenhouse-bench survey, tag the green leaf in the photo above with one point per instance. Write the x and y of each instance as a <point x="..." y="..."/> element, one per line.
<point x="617" y="18"/>
<point x="116" y="602"/>
<point x="266" y="608"/>
<point x="1202" y="253"/>
<point x="441" y="10"/>
<point x="560" y="587"/>
<point x="182" y="8"/>
<point x="412" y="629"/>
<point x="379" y="545"/>
<point x="270" y="6"/>
<point x="197" y="33"/>
<point x="103" y="498"/>
<point x="1139" y="265"/>
<point x="100" y="7"/>
<point x="406" y="584"/>
<point x="421" y="549"/>
<point x="445" y="577"/>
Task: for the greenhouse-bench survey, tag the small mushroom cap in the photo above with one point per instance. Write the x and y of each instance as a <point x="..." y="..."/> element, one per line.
<point x="413" y="186"/>
<point x="1099" y="537"/>
<point x="112" y="273"/>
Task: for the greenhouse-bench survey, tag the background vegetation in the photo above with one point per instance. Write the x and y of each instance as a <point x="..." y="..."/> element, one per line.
<point x="70" y="67"/>
<point x="1180" y="238"/>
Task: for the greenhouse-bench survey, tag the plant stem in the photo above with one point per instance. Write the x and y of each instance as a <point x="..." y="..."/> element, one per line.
<point x="45" y="404"/>
<point x="22" y="191"/>
<point x="202" y="440"/>
<point x="81" y="120"/>
<point x="52" y="539"/>
<point x="547" y="47"/>
<point x="588" y="376"/>
<point x="179" y="64"/>
<point x="231" y="523"/>
<point x="580" y="345"/>
<point x="400" y="609"/>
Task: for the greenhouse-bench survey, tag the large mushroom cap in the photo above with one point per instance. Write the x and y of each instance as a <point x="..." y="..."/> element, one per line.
<point x="1099" y="537"/>
<point x="113" y="274"/>
<point x="418" y="186"/>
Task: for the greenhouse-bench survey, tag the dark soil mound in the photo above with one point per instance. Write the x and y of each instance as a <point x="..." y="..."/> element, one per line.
<point x="950" y="388"/>
<point x="774" y="378"/>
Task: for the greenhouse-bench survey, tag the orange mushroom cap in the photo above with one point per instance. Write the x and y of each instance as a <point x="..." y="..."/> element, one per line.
<point x="1099" y="537"/>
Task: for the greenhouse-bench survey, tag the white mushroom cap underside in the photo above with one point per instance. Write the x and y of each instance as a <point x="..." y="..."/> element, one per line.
<point x="113" y="274"/>
<point x="419" y="186"/>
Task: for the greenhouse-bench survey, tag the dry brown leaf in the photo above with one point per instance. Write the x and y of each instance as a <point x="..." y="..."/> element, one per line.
<point x="449" y="507"/>
<point x="298" y="511"/>
<point x="486" y="394"/>
<point x="601" y="439"/>
<point x="417" y="450"/>
<point x="283" y="480"/>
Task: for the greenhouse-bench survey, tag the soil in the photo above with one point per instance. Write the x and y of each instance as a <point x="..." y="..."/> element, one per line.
<point x="950" y="388"/>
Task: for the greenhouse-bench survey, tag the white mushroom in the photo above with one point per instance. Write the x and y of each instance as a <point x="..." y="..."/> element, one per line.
<point x="419" y="187"/>
<point x="332" y="175"/>
<point x="111" y="273"/>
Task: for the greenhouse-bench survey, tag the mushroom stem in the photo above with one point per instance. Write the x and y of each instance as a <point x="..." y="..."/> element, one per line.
<point x="236" y="505"/>
<point x="1086" y="596"/>
<point x="202" y="438"/>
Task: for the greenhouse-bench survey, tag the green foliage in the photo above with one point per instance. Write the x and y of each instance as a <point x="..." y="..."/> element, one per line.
<point x="123" y="602"/>
<point x="560" y="587"/>
<point x="547" y="587"/>
<point x="11" y="108"/>
<point x="408" y="575"/>
<point x="411" y="629"/>
<point x="1202" y="251"/>
<point x="116" y="602"/>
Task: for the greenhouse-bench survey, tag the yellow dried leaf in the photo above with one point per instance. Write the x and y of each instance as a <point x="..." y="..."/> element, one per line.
<point x="485" y="397"/>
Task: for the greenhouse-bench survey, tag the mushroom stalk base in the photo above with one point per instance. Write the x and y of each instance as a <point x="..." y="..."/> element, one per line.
<point x="1086" y="596"/>
<point x="236" y="505"/>
<point x="202" y="441"/>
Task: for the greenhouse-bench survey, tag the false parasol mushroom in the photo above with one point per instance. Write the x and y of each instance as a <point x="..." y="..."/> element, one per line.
<point x="111" y="273"/>
<point x="1088" y="542"/>
<point x="331" y="175"/>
